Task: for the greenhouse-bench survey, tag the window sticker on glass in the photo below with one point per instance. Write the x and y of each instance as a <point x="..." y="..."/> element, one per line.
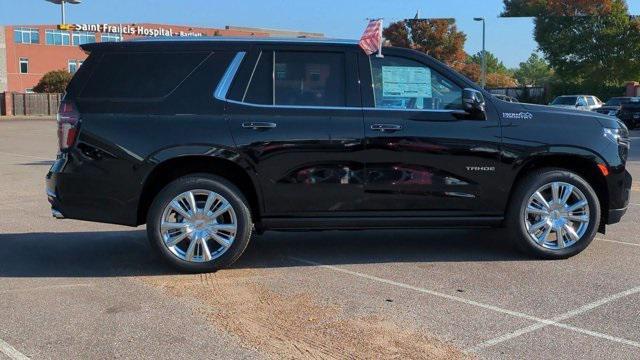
<point x="403" y="81"/>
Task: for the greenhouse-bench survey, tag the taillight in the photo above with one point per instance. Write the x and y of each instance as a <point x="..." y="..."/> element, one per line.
<point x="68" y="121"/>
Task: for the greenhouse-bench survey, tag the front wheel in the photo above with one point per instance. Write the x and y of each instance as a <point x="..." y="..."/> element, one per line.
<point x="554" y="214"/>
<point x="199" y="223"/>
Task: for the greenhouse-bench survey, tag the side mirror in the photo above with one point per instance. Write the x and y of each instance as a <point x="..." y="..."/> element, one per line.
<point x="474" y="103"/>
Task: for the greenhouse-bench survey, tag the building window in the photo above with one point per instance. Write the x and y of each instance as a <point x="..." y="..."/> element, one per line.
<point x="57" y="37"/>
<point x="26" y="36"/>
<point x="24" y="66"/>
<point x="74" y="65"/>
<point x="81" y="38"/>
<point x="111" y="38"/>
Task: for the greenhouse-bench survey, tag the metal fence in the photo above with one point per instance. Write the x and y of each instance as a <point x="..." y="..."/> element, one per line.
<point x="534" y="95"/>
<point x="19" y="104"/>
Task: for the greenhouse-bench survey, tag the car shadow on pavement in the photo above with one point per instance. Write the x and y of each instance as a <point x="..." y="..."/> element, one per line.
<point x="78" y="254"/>
<point x="285" y="249"/>
<point x="127" y="253"/>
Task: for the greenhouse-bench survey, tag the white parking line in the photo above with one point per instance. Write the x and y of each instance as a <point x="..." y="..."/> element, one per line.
<point x="618" y="242"/>
<point x="49" y="287"/>
<point x="11" y="352"/>
<point x="540" y="321"/>
<point x="557" y="319"/>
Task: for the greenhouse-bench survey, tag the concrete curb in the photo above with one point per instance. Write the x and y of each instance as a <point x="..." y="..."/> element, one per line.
<point x="29" y="118"/>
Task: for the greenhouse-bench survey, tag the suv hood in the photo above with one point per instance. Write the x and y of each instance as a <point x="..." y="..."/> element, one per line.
<point x="573" y="114"/>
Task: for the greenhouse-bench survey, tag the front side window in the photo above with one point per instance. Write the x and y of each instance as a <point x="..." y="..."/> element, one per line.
<point x="81" y="38"/>
<point x="298" y="79"/>
<point x="26" y="36"/>
<point x="24" y="66"/>
<point x="57" y="37"/>
<point x="400" y="83"/>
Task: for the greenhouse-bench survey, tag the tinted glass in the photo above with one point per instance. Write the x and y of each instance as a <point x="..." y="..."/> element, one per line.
<point x="617" y="101"/>
<point x="309" y="78"/>
<point x="591" y="101"/>
<point x="400" y="83"/>
<point x="140" y="75"/>
<point x="260" y="89"/>
<point x="565" y="100"/>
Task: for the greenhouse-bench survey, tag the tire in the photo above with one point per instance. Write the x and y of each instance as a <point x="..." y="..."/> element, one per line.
<point x="520" y="218"/>
<point x="196" y="228"/>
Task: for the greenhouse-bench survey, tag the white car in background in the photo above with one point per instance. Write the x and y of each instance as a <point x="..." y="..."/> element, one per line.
<point x="580" y="102"/>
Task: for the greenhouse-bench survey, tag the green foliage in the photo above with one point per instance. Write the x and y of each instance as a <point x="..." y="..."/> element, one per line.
<point x="533" y="72"/>
<point x="597" y="49"/>
<point x="53" y="82"/>
<point x="494" y="65"/>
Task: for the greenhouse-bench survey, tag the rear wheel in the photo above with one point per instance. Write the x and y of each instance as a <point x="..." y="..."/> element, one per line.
<point x="199" y="223"/>
<point x="554" y="214"/>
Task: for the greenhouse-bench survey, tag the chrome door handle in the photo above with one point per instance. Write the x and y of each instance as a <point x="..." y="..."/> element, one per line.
<point x="257" y="125"/>
<point x="386" y="127"/>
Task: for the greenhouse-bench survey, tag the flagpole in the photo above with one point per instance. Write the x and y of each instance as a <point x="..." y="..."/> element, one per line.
<point x="379" y="55"/>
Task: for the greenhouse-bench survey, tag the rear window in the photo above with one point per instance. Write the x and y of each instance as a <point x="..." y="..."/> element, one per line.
<point x="565" y="100"/>
<point x="140" y="75"/>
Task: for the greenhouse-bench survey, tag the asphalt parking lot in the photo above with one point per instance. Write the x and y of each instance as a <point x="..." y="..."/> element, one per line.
<point x="71" y="289"/>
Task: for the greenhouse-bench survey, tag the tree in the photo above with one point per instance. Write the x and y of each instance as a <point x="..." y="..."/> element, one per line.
<point x="533" y="72"/>
<point x="494" y="65"/>
<point x="439" y="38"/>
<point x="532" y="8"/>
<point x="53" y="82"/>
<point x="601" y="48"/>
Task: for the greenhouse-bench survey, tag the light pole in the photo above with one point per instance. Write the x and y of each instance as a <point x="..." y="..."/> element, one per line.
<point x="61" y="3"/>
<point x="484" y="52"/>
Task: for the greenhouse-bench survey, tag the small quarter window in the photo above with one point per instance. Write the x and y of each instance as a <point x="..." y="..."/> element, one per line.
<point x="260" y="89"/>
<point x="400" y="83"/>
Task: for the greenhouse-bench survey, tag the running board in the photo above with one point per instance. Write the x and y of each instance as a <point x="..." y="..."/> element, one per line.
<point x="362" y="223"/>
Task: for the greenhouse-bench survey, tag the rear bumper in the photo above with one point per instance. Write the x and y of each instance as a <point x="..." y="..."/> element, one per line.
<point x="78" y="190"/>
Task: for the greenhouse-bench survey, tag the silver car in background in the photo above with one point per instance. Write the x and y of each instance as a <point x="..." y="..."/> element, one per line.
<point x="580" y="102"/>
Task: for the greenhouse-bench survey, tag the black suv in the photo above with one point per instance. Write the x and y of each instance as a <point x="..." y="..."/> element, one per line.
<point x="630" y="113"/>
<point x="208" y="139"/>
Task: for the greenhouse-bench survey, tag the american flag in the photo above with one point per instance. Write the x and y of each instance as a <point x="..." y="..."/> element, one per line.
<point x="371" y="40"/>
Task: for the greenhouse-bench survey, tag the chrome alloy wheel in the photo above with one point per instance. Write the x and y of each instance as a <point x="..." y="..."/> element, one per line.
<point x="559" y="208"/>
<point x="198" y="226"/>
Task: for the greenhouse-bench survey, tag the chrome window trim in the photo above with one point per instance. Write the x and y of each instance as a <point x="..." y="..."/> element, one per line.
<point x="222" y="91"/>
<point x="225" y="83"/>
<point x="246" y="89"/>
<point x="223" y="39"/>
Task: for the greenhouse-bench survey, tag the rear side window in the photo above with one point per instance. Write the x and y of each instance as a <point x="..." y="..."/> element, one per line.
<point x="591" y="101"/>
<point x="140" y="75"/>
<point x="298" y="79"/>
<point x="315" y="79"/>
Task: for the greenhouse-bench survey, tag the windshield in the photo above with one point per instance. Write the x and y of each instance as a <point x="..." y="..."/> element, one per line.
<point x="565" y="100"/>
<point x="617" y="101"/>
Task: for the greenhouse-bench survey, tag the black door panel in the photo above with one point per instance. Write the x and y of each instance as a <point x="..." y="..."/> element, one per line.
<point x="425" y="165"/>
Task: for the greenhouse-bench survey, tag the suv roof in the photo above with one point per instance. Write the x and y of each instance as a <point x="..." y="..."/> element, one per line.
<point x="221" y="40"/>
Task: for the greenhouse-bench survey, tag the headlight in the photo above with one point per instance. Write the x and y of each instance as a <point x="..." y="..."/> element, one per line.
<point x="617" y="135"/>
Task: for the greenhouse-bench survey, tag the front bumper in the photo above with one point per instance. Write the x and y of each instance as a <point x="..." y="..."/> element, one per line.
<point x="615" y="215"/>
<point x="619" y="195"/>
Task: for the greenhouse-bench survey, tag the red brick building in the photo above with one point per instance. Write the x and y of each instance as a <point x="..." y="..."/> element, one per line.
<point x="29" y="51"/>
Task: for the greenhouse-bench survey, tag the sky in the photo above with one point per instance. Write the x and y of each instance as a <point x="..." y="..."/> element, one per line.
<point x="511" y="40"/>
